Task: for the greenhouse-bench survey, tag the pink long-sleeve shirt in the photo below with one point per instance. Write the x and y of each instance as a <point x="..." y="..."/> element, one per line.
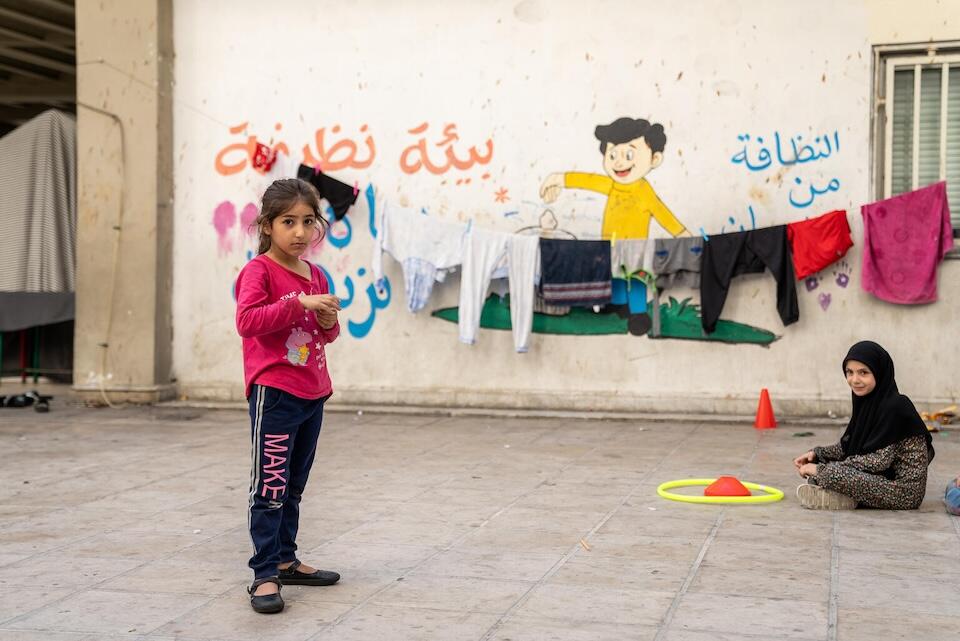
<point x="282" y="341"/>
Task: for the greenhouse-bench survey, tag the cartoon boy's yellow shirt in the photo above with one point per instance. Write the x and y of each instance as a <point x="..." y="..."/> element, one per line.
<point x="629" y="207"/>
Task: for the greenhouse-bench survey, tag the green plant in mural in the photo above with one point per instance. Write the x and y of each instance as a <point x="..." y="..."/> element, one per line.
<point x="579" y="321"/>
<point x="678" y="320"/>
<point x="682" y="320"/>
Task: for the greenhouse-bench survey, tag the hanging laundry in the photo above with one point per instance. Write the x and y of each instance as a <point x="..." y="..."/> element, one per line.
<point x="747" y="252"/>
<point x="904" y="240"/>
<point x="426" y="248"/>
<point x="627" y="257"/>
<point x="341" y="196"/>
<point x="677" y="261"/>
<point x="486" y="252"/>
<point x="818" y="242"/>
<point x="575" y="272"/>
<point x="540" y="307"/>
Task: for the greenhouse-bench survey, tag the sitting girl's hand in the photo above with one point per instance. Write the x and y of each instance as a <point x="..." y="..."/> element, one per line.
<point x="809" y="457"/>
<point x="808" y="469"/>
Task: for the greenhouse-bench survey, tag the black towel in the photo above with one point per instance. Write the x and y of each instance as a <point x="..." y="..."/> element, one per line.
<point x="340" y="195"/>
<point x="575" y="272"/>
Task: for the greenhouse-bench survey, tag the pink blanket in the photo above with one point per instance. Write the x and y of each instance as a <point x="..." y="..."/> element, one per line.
<point x="905" y="238"/>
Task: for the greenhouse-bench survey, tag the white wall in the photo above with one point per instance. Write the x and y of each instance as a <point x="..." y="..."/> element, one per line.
<point x="536" y="78"/>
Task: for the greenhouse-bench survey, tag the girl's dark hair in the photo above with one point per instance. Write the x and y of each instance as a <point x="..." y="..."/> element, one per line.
<point x="279" y="198"/>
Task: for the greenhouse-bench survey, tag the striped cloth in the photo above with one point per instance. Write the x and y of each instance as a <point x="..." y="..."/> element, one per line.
<point x="38" y="205"/>
<point x="575" y="272"/>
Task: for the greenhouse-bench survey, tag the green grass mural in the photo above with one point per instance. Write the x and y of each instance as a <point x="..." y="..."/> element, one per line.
<point x="678" y="319"/>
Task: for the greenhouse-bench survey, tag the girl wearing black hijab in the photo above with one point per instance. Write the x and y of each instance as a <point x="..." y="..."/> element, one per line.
<point x="881" y="460"/>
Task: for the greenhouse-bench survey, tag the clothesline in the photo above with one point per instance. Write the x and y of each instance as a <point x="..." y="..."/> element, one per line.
<point x="559" y="273"/>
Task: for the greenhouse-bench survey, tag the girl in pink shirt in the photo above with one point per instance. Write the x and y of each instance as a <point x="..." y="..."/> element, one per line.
<point x="285" y="315"/>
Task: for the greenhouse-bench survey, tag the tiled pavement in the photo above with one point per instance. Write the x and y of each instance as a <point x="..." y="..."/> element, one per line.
<point x="130" y="524"/>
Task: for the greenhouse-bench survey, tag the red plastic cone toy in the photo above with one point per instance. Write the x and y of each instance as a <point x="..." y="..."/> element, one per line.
<point x="765" y="418"/>
<point x="726" y="486"/>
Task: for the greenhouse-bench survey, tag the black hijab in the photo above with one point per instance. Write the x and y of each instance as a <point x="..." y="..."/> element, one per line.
<point x="884" y="416"/>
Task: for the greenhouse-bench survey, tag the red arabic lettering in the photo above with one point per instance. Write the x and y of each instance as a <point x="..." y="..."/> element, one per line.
<point x="411" y="165"/>
<point x="341" y="154"/>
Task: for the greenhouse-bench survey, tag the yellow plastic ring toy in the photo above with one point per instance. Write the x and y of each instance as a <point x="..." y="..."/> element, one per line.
<point x="772" y="494"/>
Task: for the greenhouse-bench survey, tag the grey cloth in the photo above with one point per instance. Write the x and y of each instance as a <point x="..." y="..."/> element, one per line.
<point x="627" y="257"/>
<point x="38" y="205"/>
<point x="676" y="262"/>
<point x="20" y="310"/>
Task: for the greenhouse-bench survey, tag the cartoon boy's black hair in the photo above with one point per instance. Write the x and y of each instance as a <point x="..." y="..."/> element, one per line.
<point x="624" y="130"/>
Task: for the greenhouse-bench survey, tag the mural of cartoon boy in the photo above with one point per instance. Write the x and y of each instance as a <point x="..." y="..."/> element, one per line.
<point x="631" y="148"/>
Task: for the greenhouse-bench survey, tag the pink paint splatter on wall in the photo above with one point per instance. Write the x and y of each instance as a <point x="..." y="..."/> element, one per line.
<point x="248" y="215"/>
<point x="224" y="218"/>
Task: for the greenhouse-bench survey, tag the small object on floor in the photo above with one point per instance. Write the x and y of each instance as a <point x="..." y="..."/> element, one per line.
<point x="266" y="603"/>
<point x="814" y="497"/>
<point x="726" y="486"/>
<point x="20" y="400"/>
<point x="803" y="433"/>
<point x="584" y="545"/>
<point x="41" y="401"/>
<point x="770" y="494"/>
<point x="765" y="419"/>
<point x="940" y="417"/>
<point x="290" y="576"/>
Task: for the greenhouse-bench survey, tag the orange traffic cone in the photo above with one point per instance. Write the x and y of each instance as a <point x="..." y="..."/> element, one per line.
<point x="726" y="486"/>
<point x="765" y="418"/>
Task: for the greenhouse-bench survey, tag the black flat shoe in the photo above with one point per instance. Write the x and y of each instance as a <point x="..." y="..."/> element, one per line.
<point x="20" y="400"/>
<point x="42" y="401"/>
<point x="266" y="603"/>
<point x="290" y="576"/>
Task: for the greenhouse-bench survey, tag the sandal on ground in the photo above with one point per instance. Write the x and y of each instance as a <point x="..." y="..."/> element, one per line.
<point x="42" y="402"/>
<point x="266" y="603"/>
<point x="20" y="400"/>
<point x="290" y="576"/>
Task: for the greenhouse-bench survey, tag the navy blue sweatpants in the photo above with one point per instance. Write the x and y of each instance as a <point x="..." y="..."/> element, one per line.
<point x="284" y="437"/>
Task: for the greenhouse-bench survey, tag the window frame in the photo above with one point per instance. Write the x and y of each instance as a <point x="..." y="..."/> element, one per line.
<point x="887" y="59"/>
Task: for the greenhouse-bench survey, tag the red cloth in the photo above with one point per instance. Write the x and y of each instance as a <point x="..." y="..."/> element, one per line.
<point x="282" y="341"/>
<point x="818" y="242"/>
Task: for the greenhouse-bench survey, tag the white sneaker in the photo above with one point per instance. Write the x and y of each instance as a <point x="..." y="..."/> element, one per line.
<point x="814" y="497"/>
